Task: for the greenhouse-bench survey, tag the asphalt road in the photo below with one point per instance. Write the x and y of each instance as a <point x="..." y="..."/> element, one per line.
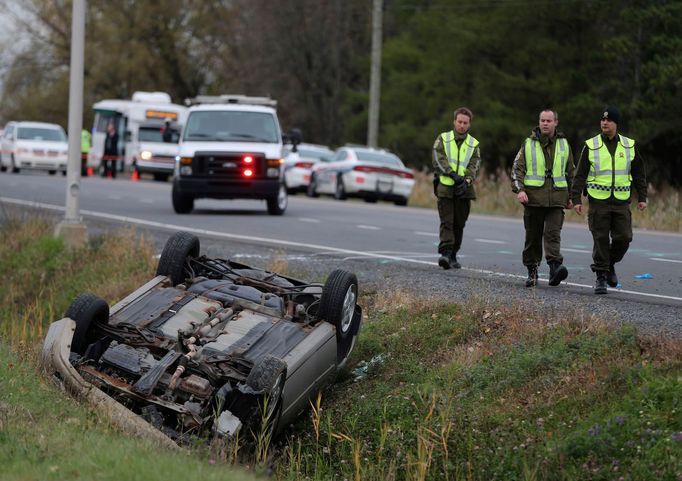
<point x="383" y="232"/>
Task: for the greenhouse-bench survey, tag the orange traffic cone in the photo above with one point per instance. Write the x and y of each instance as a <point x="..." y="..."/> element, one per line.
<point x="135" y="176"/>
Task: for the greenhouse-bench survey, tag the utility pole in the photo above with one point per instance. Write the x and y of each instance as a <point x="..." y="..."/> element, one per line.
<point x="73" y="230"/>
<point x="375" y="75"/>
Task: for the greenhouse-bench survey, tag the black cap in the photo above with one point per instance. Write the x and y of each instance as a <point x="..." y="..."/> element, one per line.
<point x="611" y="113"/>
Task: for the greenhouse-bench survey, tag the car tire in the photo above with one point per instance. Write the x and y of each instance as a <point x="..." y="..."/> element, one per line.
<point x="85" y="310"/>
<point x="51" y="172"/>
<point x="179" y="247"/>
<point x="161" y="177"/>
<point x="269" y="375"/>
<point x="311" y="190"/>
<point x="371" y="200"/>
<point x="401" y="202"/>
<point x="277" y="205"/>
<point x="337" y="304"/>
<point x="340" y="191"/>
<point x="182" y="204"/>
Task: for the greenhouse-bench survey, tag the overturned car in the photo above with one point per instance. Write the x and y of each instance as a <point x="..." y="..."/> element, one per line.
<point x="208" y="347"/>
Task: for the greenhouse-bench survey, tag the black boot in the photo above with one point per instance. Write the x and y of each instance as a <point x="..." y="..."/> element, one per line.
<point x="611" y="277"/>
<point x="600" y="286"/>
<point x="557" y="273"/>
<point x="532" y="279"/>
<point x="453" y="261"/>
<point x="444" y="260"/>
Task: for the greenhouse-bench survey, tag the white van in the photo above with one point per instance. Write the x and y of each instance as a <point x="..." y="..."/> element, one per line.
<point x="148" y="129"/>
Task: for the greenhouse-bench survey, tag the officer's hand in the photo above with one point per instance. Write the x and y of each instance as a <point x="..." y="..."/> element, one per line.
<point x="457" y="178"/>
<point x="460" y="189"/>
<point x="578" y="208"/>
<point x="641" y="205"/>
<point x="522" y="197"/>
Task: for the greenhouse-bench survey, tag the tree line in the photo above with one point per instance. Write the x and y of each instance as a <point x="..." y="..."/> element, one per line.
<point x="504" y="59"/>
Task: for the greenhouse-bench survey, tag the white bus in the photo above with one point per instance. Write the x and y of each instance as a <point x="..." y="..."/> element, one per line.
<point x="148" y="129"/>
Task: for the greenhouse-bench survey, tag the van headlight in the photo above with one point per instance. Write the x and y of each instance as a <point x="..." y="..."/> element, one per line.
<point x="145" y="155"/>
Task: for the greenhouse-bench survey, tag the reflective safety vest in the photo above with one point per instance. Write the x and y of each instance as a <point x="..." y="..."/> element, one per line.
<point x="457" y="158"/>
<point x="535" y="163"/>
<point x="606" y="173"/>
<point x="85" y="141"/>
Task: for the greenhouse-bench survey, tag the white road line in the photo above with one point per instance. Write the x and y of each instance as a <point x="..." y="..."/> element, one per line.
<point x="114" y="197"/>
<point x="660" y="259"/>
<point x="281" y="242"/>
<point x="147" y="201"/>
<point x="490" y="241"/>
<point x="368" y="227"/>
<point x="308" y="219"/>
<point x="580" y="251"/>
<point x="429" y="234"/>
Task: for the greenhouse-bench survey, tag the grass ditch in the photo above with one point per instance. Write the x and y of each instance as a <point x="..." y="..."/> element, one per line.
<point x="435" y="390"/>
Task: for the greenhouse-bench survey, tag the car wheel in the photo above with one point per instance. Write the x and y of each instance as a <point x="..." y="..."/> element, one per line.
<point x="371" y="200"/>
<point x="182" y="204"/>
<point x="51" y="172"/>
<point x="269" y="375"/>
<point x="277" y="205"/>
<point x="340" y="192"/>
<point x="161" y="177"/>
<point x="401" y="202"/>
<point x="337" y="305"/>
<point x="179" y="248"/>
<point x="312" y="187"/>
<point x="84" y="310"/>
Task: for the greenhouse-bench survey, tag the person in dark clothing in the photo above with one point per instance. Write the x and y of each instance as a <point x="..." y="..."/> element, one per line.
<point x="541" y="179"/>
<point x="610" y="166"/>
<point x="110" y="156"/>
<point x="456" y="159"/>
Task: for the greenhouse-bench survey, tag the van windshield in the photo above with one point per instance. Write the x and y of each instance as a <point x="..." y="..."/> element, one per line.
<point x="155" y="134"/>
<point x="222" y="126"/>
<point x="40" y="133"/>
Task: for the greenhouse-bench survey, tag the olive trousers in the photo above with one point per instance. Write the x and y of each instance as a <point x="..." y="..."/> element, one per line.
<point x="611" y="228"/>
<point x="453" y="215"/>
<point x="543" y="227"/>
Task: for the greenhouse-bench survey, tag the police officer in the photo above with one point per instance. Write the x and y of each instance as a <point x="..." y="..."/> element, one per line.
<point x="609" y="167"/>
<point x="541" y="179"/>
<point x="86" y="141"/>
<point x="456" y="159"/>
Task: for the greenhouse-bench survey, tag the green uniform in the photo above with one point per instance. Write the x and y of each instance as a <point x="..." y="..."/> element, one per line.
<point x="608" y="170"/>
<point x="543" y="169"/>
<point x="457" y="153"/>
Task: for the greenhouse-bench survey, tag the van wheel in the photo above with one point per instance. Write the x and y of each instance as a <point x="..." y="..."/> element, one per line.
<point x="84" y="310"/>
<point x="161" y="177"/>
<point x="179" y="248"/>
<point x="182" y="204"/>
<point x="277" y="205"/>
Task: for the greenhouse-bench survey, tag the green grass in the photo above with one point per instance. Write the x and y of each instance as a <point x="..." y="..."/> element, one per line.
<point x="469" y="391"/>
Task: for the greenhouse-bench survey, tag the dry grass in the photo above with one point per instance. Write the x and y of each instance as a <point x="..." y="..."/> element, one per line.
<point x="494" y="196"/>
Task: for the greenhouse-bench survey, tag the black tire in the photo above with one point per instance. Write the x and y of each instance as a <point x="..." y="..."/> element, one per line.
<point x="337" y="305"/>
<point x="311" y="190"/>
<point x="51" y="172"/>
<point x="182" y="204"/>
<point x="371" y="200"/>
<point x="340" y="192"/>
<point x="401" y="202"/>
<point x="86" y="309"/>
<point x="161" y="177"/>
<point x="278" y="204"/>
<point x="269" y="375"/>
<point x="179" y="247"/>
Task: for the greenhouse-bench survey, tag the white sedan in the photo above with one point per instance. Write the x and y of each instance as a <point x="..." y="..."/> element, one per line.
<point x="365" y="172"/>
<point x="34" y="145"/>
<point x="298" y="165"/>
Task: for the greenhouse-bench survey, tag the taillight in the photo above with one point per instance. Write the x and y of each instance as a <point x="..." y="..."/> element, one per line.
<point x="304" y="165"/>
<point x="248" y="173"/>
<point x="248" y="159"/>
<point x="383" y="170"/>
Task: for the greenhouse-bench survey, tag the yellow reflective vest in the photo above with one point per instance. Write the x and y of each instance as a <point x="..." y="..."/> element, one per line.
<point x="535" y="163"/>
<point x="457" y="158"/>
<point x="85" y="141"/>
<point x="606" y="173"/>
